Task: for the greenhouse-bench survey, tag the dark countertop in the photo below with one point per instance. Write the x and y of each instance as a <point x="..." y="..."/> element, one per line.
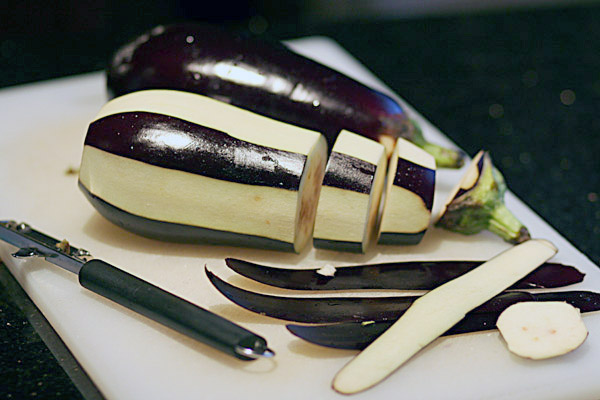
<point x="522" y="84"/>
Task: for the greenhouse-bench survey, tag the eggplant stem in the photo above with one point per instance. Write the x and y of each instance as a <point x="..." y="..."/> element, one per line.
<point x="503" y="223"/>
<point x="444" y="157"/>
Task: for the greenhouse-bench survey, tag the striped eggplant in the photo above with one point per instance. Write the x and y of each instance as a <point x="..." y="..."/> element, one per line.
<point x="185" y="167"/>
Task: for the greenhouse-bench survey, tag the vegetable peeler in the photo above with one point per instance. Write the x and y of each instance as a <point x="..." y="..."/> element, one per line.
<point x="137" y="294"/>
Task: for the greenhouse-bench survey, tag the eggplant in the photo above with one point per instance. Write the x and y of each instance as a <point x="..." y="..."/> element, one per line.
<point x="408" y="201"/>
<point x="410" y="275"/>
<point x="263" y="77"/>
<point x="341" y="309"/>
<point x="477" y="203"/>
<point x="350" y="195"/>
<point x="358" y="335"/>
<point x="185" y="167"/>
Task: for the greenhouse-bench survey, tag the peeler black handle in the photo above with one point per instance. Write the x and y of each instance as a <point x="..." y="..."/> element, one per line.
<point x="172" y="311"/>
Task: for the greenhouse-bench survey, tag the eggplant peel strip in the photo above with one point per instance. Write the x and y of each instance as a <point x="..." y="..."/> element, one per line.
<point x="413" y="275"/>
<point x="358" y="335"/>
<point x="364" y="309"/>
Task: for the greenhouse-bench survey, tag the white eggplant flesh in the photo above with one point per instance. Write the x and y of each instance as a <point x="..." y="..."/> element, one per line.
<point x="350" y="195"/>
<point x="540" y="330"/>
<point x="469" y="179"/>
<point x="181" y="166"/>
<point x="436" y="312"/>
<point x="408" y="199"/>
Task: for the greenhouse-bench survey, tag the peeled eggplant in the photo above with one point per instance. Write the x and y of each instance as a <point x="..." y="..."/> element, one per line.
<point x="264" y="77"/>
<point x="185" y="167"/>
<point x="408" y="199"/>
<point x="350" y="196"/>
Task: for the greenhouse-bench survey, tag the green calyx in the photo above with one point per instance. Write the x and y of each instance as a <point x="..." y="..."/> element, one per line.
<point x="444" y="157"/>
<point x="482" y="207"/>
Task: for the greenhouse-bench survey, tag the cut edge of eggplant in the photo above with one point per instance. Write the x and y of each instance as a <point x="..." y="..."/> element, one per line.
<point x="309" y="193"/>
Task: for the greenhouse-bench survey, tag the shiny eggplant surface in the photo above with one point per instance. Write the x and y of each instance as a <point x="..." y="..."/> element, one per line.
<point x="261" y="76"/>
<point x="184" y="167"/>
<point x="477" y="203"/>
<point x="358" y="335"/>
<point x="338" y="309"/>
<point x="411" y="275"/>
<point x="155" y="139"/>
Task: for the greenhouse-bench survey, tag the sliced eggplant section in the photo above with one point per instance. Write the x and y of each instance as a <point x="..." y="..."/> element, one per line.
<point x="411" y="275"/>
<point x="180" y="166"/>
<point x="351" y="193"/>
<point x="358" y="335"/>
<point x="542" y="330"/>
<point x="436" y="312"/>
<point x="408" y="197"/>
<point x="337" y="308"/>
<point x="263" y="77"/>
<point x="477" y="203"/>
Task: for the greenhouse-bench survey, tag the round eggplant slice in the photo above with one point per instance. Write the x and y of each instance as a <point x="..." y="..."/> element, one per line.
<point x="181" y="166"/>
<point x="540" y="330"/>
<point x="409" y="195"/>
<point x="350" y="196"/>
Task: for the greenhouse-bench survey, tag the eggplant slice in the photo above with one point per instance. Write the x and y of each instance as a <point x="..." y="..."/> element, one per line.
<point x="407" y="205"/>
<point x="398" y="275"/>
<point x="350" y="195"/>
<point x="165" y="163"/>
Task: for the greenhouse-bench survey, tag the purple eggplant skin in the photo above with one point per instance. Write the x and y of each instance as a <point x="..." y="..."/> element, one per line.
<point x="254" y="74"/>
<point x="339" y="309"/>
<point x="262" y="76"/>
<point x="358" y="335"/>
<point x="417" y="275"/>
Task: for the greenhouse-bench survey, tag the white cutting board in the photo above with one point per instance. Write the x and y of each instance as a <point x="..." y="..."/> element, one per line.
<point x="130" y="357"/>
